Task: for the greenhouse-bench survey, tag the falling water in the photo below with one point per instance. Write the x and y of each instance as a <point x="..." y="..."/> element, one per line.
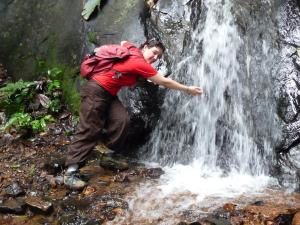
<point x="207" y="144"/>
<point x="215" y="131"/>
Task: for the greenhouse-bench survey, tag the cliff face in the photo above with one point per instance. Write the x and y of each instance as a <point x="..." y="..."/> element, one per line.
<point x="268" y="58"/>
<point x="34" y="30"/>
<point x="55" y="31"/>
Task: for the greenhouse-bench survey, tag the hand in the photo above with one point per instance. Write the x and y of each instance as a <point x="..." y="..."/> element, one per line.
<point x="192" y="90"/>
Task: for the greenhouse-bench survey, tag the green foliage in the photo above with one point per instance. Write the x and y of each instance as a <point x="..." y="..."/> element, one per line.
<point x="19" y="121"/>
<point x="14" y="97"/>
<point x="55" y="73"/>
<point x="63" y="79"/>
<point x="32" y="105"/>
<point x="89" y="7"/>
<point x="24" y="121"/>
<point x="40" y="124"/>
<point x="53" y="86"/>
<point x="70" y="83"/>
<point x="92" y="37"/>
<point x="55" y="106"/>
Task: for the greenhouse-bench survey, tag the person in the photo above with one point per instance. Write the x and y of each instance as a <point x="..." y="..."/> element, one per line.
<point x="101" y="109"/>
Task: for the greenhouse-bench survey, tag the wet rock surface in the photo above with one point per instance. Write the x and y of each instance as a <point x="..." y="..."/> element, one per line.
<point x="38" y="204"/>
<point x="32" y="190"/>
<point x="14" y="190"/>
<point x="14" y="206"/>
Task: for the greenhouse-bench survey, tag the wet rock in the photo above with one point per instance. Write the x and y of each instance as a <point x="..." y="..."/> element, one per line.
<point x="53" y="180"/>
<point x="236" y="220"/>
<point x="38" y="205"/>
<point x="118" y="211"/>
<point x="221" y="213"/>
<point x="284" y="219"/>
<point x="104" y="207"/>
<point x="113" y="164"/>
<point x="296" y="219"/>
<point x="259" y="203"/>
<point x="12" y="206"/>
<point x="229" y="207"/>
<point x="215" y="221"/>
<point x="6" y="139"/>
<point x="112" y="202"/>
<point x="14" y="190"/>
<point x="269" y="212"/>
<point x="54" y="163"/>
<point x="127" y="176"/>
<point x="153" y="173"/>
<point x="89" y="190"/>
<point x="58" y="193"/>
<point x="91" y="171"/>
<point x="77" y="219"/>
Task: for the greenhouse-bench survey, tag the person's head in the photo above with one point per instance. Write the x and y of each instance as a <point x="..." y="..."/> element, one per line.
<point x="152" y="50"/>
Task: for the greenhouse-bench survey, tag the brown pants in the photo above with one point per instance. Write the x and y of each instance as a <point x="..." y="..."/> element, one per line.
<point x="102" y="117"/>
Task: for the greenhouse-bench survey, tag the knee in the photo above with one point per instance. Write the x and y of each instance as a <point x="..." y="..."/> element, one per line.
<point x="124" y="120"/>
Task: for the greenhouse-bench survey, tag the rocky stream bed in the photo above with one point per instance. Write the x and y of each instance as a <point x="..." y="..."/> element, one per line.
<point x="32" y="192"/>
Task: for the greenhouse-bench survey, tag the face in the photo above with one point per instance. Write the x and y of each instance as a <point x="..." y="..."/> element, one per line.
<point x="152" y="54"/>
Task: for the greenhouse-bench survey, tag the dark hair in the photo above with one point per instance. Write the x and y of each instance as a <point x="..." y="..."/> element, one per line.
<point x="153" y="42"/>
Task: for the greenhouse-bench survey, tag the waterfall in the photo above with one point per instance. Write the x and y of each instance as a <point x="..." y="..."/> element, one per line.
<point x="217" y="147"/>
<point x="217" y="132"/>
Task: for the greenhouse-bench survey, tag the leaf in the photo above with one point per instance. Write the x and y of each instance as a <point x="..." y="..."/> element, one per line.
<point x="44" y="100"/>
<point x="89" y="7"/>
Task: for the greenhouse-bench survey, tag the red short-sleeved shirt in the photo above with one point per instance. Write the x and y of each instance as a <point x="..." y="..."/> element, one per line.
<point x="130" y="69"/>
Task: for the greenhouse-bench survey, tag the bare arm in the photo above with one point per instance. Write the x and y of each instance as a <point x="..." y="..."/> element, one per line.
<point x="172" y="84"/>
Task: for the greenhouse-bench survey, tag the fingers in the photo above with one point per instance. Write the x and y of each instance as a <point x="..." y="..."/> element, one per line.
<point x="195" y="90"/>
<point x="199" y="90"/>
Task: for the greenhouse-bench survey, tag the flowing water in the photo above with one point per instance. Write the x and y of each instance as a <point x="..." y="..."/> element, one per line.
<point x="208" y="145"/>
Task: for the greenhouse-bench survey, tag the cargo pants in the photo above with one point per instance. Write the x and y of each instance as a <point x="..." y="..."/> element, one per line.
<point x="102" y="117"/>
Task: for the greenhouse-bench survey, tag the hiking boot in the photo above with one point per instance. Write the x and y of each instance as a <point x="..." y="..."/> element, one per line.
<point x="73" y="181"/>
<point x="103" y="149"/>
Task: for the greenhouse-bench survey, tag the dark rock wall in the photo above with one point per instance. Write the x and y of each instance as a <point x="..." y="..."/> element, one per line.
<point x="32" y="30"/>
<point x="288" y="96"/>
<point x="55" y="31"/>
<point x="269" y="58"/>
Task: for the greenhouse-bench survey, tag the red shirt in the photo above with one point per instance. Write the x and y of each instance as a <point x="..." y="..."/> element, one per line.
<point x="129" y="70"/>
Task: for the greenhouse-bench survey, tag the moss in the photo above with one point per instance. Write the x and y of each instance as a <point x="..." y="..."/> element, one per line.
<point x="71" y="82"/>
<point x="70" y="79"/>
<point x="92" y="37"/>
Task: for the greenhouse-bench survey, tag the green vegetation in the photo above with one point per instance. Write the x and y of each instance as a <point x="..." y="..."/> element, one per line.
<point x="89" y="7"/>
<point x="92" y="37"/>
<point x="30" y="106"/>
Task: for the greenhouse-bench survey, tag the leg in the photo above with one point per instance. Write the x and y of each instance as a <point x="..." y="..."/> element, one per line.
<point x="117" y="125"/>
<point x="94" y="107"/>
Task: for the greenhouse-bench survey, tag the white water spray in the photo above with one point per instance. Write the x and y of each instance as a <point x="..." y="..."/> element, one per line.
<point x="213" y="131"/>
<point x="205" y="143"/>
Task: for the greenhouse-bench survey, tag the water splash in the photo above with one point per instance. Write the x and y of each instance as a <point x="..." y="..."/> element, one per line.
<point x="214" y="130"/>
<point x="208" y="145"/>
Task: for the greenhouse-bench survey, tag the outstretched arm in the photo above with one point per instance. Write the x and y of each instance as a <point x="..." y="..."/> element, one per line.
<point x="172" y="84"/>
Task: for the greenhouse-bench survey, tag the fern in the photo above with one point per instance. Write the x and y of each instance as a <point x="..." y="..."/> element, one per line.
<point x="12" y="88"/>
<point x="13" y="96"/>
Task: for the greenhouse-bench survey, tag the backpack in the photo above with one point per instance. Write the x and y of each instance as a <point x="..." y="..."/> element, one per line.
<point x="103" y="59"/>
